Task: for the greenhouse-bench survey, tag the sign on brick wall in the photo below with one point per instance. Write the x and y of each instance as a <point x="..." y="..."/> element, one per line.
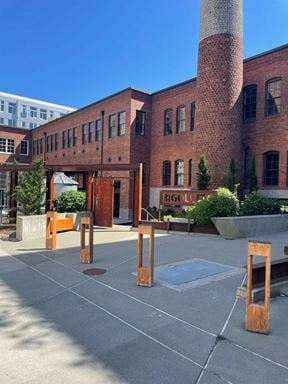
<point x="172" y="197"/>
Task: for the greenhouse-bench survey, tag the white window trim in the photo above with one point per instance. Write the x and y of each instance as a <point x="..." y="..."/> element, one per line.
<point x="6" y="151"/>
<point x="24" y="154"/>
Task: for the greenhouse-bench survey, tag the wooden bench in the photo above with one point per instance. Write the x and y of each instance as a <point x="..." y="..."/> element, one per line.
<point x="279" y="272"/>
<point x="64" y="224"/>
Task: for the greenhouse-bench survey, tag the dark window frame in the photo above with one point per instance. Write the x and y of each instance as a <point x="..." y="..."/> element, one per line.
<point x="64" y="139"/>
<point x="166" y="173"/>
<point x="178" y="176"/>
<point x="273" y="103"/>
<point x="84" y="133"/>
<point x="98" y="129"/>
<point x="168" y="122"/>
<point x="90" y="131"/>
<point x="271" y="169"/>
<point x="69" y="138"/>
<point x="249" y="102"/>
<point x="112" y="125"/>
<point x="74" y="137"/>
<point x="180" y="119"/>
<point x="192" y="116"/>
<point x="140" y="123"/>
<point x="190" y="167"/>
<point x="121" y="124"/>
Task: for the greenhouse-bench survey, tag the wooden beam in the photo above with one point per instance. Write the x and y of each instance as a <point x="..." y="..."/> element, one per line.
<point x="86" y="252"/>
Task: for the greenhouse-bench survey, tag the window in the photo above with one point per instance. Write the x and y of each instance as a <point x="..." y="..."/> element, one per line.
<point x="69" y="138"/>
<point x="24" y="111"/>
<point x="271" y="168"/>
<point x="168" y="122"/>
<point x="47" y="144"/>
<point x="12" y="108"/>
<point x="34" y="147"/>
<point x="11" y="123"/>
<point x="90" y="132"/>
<point x="41" y="145"/>
<point x="112" y="125"/>
<point x="52" y="143"/>
<point x="33" y="112"/>
<point x="192" y="116"/>
<point x="62" y="114"/>
<point x="51" y="115"/>
<point x="64" y="140"/>
<point x="166" y="173"/>
<point x="179" y="172"/>
<point x="24" y="147"/>
<point x="273" y="97"/>
<point x="98" y="129"/>
<point x="1" y="120"/>
<point x="7" y="145"/>
<point x="140" y="123"/>
<point x="190" y="172"/>
<point x="43" y="114"/>
<point x="121" y="123"/>
<point x="32" y="125"/>
<point x="56" y="141"/>
<point x="74" y="137"/>
<point x="2" y="106"/>
<point x="84" y="133"/>
<point x="249" y="102"/>
<point x="37" y="146"/>
<point x="180" y="119"/>
<point x="23" y="124"/>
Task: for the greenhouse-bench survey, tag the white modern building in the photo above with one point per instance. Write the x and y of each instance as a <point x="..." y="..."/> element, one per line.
<point x="23" y="112"/>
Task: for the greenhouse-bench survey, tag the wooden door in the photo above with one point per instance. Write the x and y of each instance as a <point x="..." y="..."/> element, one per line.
<point x="104" y="204"/>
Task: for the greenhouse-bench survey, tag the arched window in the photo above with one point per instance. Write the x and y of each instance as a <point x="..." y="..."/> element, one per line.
<point x="271" y="168"/>
<point x="166" y="173"/>
<point x="180" y="119"/>
<point x="168" y="122"/>
<point x="273" y="96"/>
<point x="179" y="172"/>
<point x="249" y="102"/>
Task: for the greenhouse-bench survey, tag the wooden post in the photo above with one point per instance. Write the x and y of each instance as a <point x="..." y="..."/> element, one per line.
<point x="51" y="230"/>
<point x="50" y="191"/>
<point x="145" y="274"/>
<point x="89" y="191"/>
<point x="86" y="252"/>
<point x="140" y="192"/>
<point x="257" y="316"/>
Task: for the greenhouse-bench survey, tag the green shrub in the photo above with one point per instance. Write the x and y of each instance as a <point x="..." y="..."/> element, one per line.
<point x="70" y="201"/>
<point x="224" y="204"/>
<point x="255" y="204"/>
<point x="203" y="178"/>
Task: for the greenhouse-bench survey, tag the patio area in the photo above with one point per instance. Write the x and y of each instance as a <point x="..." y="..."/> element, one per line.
<point x="59" y="325"/>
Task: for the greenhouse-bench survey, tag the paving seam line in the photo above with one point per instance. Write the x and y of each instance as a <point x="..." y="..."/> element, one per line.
<point x="149" y="336"/>
<point x="123" y="293"/>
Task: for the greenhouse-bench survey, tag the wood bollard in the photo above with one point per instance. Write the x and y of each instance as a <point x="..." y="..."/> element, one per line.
<point x="86" y="252"/>
<point x="145" y="274"/>
<point x="257" y="316"/>
<point x="51" y="230"/>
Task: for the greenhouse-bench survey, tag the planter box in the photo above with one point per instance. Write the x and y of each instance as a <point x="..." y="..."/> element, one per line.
<point x="246" y="226"/>
<point x="31" y="227"/>
<point x="182" y="225"/>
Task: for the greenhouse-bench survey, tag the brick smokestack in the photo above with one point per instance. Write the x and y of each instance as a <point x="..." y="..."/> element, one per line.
<point x="219" y="84"/>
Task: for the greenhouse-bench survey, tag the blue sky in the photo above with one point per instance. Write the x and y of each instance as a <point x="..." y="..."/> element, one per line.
<point x="74" y="52"/>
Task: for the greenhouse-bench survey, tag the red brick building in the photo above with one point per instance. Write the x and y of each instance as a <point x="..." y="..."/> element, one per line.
<point x="232" y="110"/>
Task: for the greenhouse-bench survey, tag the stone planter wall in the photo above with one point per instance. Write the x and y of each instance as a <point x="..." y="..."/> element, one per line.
<point x="247" y="226"/>
<point x="31" y="227"/>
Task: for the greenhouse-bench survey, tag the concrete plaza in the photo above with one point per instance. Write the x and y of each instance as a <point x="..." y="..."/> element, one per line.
<point x="58" y="325"/>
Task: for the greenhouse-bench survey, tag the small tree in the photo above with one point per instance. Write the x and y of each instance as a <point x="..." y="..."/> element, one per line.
<point x="31" y="189"/>
<point x="252" y="176"/>
<point x="202" y="176"/>
<point x="229" y="181"/>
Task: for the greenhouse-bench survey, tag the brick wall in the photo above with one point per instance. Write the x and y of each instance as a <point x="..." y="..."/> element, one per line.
<point x="18" y="135"/>
<point x="268" y="133"/>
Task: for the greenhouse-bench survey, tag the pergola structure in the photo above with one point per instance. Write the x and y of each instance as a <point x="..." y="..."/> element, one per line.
<point x="100" y="188"/>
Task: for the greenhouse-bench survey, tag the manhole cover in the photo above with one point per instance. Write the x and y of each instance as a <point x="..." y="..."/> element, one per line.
<point x="94" y="271"/>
